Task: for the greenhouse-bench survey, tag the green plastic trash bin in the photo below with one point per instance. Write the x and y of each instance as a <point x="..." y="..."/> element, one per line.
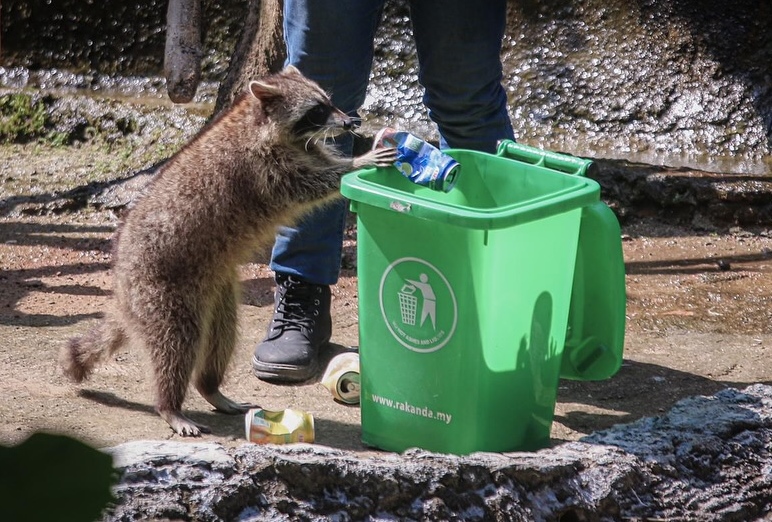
<point x="464" y="301"/>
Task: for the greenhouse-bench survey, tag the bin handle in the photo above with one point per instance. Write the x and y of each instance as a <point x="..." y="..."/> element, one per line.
<point x="543" y="158"/>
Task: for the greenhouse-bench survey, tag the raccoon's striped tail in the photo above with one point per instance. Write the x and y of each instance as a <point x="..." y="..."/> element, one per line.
<point x="81" y="354"/>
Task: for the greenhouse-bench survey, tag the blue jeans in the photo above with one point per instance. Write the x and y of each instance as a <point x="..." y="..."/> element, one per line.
<point x="458" y="44"/>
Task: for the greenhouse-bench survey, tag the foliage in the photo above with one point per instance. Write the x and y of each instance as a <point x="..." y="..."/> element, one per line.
<point x="54" y="477"/>
<point x="23" y="119"/>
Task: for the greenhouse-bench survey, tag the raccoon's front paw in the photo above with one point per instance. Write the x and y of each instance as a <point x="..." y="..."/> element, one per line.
<point x="382" y="157"/>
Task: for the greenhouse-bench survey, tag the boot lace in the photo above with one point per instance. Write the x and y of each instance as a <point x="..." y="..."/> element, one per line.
<point x="298" y="306"/>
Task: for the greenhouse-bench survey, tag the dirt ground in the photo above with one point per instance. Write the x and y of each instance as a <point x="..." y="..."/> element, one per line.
<point x="698" y="319"/>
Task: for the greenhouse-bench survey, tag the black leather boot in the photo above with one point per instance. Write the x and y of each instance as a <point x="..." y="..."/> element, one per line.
<point x="300" y="327"/>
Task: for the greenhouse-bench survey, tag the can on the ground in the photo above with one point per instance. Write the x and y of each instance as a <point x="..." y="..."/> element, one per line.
<point x="342" y="377"/>
<point x="279" y="427"/>
<point x="420" y="161"/>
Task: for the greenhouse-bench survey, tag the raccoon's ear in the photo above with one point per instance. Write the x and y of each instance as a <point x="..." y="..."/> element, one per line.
<point x="263" y="90"/>
<point x="292" y="70"/>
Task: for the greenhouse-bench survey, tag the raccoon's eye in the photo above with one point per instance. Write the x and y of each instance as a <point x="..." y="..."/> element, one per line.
<point x="314" y="119"/>
<point x="319" y="114"/>
<point x="320" y="110"/>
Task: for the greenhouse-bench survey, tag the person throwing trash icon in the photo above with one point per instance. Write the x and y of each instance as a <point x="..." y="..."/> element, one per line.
<point x="429" y="305"/>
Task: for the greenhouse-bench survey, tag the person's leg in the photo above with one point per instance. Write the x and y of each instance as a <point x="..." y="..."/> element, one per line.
<point x="459" y="54"/>
<point x="331" y="42"/>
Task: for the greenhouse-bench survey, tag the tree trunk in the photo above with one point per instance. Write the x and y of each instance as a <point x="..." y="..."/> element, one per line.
<point x="260" y="50"/>
<point x="182" y="53"/>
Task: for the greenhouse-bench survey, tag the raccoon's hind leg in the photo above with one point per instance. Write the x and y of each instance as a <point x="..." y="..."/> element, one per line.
<point x="174" y="338"/>
<point x="218" y="349"/>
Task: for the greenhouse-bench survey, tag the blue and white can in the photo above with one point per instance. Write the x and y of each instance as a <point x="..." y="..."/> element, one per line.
<point x="419" y="161"/>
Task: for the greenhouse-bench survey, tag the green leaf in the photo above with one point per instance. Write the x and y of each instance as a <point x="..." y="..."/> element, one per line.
<point x="54" y="478"/>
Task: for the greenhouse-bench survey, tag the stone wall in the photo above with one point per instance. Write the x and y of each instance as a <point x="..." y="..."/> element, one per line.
<point x="675" y="82"/>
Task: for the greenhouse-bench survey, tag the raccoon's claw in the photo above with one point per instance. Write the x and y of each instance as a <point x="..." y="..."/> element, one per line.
<point x="382" y="157"/>
<point x="385" y="157"/>
<point x="182" y="425"/>
<point x="223" y="404"/>
<point x="236" y="408"/>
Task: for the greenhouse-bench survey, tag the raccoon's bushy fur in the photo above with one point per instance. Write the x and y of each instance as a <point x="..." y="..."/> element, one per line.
<point x="261" y="164"/>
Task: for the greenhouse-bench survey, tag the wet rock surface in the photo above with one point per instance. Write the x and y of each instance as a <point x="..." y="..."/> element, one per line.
<point x="679" y="83"/>
<point x="647" y="79"/>
<point x="156" y="129"/>
<point x="708" y="458"/>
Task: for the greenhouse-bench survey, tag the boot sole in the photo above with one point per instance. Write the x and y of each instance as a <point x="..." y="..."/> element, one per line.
<point x="284" y="372"/>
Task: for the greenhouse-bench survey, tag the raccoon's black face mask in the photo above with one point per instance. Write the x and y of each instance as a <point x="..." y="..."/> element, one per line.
<point x="314" y="120"/>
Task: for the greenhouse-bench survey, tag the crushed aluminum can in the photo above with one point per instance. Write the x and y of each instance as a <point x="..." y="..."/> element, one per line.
<point x="342" y="378"/>
<point x="279" y="427"/>
<point x="419" y="161"/>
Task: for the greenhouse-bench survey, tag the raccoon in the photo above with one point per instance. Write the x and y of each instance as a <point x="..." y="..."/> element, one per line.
<point x="264" y="162"/>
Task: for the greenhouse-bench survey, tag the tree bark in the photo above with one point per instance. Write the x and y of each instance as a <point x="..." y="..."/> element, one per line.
<point x="182" y="53"/>
<point x="260" y="50"/>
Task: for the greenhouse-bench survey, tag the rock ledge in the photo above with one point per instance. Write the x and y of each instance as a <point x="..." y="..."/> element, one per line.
<point x="708" y="458"/>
